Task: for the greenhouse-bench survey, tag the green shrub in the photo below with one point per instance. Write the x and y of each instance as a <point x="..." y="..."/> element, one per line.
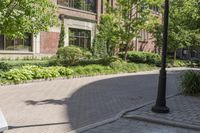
<point x="4" y="66"/>
<point x="182" y="63"/>
<point x="25" y="73"/>
<point x="70" y="55"/>
<point x="190" y="83"/>
<point x="19" y="63"/>
<point x="108" y="60"/>
<point x="54" y="61"/>
<point x="143" y="57"/>
<point x="91" y="70"/>
<point x="99" y="47"/>
<point x="103" y="61"/>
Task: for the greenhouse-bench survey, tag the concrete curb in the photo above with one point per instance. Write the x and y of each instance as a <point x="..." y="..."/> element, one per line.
<point x="118" y="116"/>
<point x="164" y="122"/>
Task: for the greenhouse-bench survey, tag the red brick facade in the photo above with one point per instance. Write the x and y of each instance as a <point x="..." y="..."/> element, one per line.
<point x="49" y="42"/>
<point x="147" y="45"/>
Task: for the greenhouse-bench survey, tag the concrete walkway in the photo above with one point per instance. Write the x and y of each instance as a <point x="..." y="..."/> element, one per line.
<point x="60" y="106"/>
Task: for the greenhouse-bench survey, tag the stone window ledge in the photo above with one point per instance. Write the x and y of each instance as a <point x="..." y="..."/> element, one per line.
<point x="77" y="10"/>
<point x="15" y="52"/>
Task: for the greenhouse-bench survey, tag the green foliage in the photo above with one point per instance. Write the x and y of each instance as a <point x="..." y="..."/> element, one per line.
<point x="190" y="83"/>
<point x="18" y="75"/>
<point x="70" y="55"/>
<point x="157" y="33"/>
<point x="25" y="73"/>
<point x="143" y="57"/>
<point x="182" y="63"/>
<point x="108" y="38"/>
<point x="18" y="17"/>
<point x="9" y="64"/>
<point x="91" y="70"/>
<point x="114" y="67"/>
<point x="184" y="25"/>
<point x="132" y="23"/>
<point x="99" y="47"/>
<point x="62" y="36"/>
<point x="4" y="66"/>
<point x="108" y="60"/>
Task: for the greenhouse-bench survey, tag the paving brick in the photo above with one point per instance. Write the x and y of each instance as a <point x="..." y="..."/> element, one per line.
<point x="63" y="105"/>
<point x="135" y="126"/>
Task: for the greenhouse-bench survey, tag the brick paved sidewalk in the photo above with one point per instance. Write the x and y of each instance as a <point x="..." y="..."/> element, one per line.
<point x="184" y="117"/>
<point x="184" y="112"/>
<point x="135" y="126"/>
<point x="60" y="106"/>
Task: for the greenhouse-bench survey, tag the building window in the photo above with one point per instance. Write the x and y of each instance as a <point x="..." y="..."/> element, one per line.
<point x="154" y="9"/>
<point x="7" y="44"/>
<point x="86" y="5"/>
<point x="81" y="38"/>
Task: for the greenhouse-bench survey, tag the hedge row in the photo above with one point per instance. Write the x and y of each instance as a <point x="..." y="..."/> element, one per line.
<point x="143" y="57"/>
<point x="10" y="64"/>
<point x="25" y="73"/>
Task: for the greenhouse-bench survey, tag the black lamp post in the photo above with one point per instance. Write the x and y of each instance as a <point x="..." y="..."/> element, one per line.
<point x="160" y="106"/>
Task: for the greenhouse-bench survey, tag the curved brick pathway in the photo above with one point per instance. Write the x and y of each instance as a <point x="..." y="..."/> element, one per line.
<point x="62" y="105"/>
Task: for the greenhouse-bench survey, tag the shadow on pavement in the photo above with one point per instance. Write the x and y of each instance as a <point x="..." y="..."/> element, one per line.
<point x="104" y="99"/>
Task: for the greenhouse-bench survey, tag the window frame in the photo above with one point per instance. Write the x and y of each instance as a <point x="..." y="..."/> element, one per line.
<point x="71" y="4"/>
<point x="15" y="50"/>
<point x="87" y="39"/>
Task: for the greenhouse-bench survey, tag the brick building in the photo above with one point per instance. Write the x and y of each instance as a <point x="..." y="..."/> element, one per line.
<point x="80" y="19"/>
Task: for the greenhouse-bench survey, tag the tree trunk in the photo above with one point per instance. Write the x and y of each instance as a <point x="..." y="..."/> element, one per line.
<point x="126" y="52"/>
<point x="175" y="53"/>
<point x="174" y="60"/>
<point x="108" y="48"/>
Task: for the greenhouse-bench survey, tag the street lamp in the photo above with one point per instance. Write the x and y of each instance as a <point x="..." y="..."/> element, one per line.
<point x="160" y="106"/>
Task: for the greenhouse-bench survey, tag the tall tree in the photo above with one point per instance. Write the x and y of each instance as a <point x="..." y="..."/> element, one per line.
<point x="135" y="16"/>
<point x="109" y="30"/>
<point x="18" y="17"/>
<point x="184" y="24"/>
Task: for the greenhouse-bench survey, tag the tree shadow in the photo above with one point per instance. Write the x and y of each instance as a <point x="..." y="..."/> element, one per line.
<point x="48" y="101"/>
<point x="105" y="98"/>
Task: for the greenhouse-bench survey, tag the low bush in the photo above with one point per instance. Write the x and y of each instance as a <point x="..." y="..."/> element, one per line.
<point x="91" y="70"/>
<point x="25" y="73"/>
<point x="190" y="83"/>
<point x="143" y="57"/>
<point x="113" y="68"/>
<point x="4" y="66"/>
<point x="103" y="61"/>
<point x="70" y="55"/>
<point x="109" y="60"/>
<point x="178" y="63"/>
<point x="10" y="64"/>
<point x="18" y="75"/>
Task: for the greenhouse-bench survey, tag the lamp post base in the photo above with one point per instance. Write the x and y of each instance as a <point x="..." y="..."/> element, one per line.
<point x="160" y="109"/>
